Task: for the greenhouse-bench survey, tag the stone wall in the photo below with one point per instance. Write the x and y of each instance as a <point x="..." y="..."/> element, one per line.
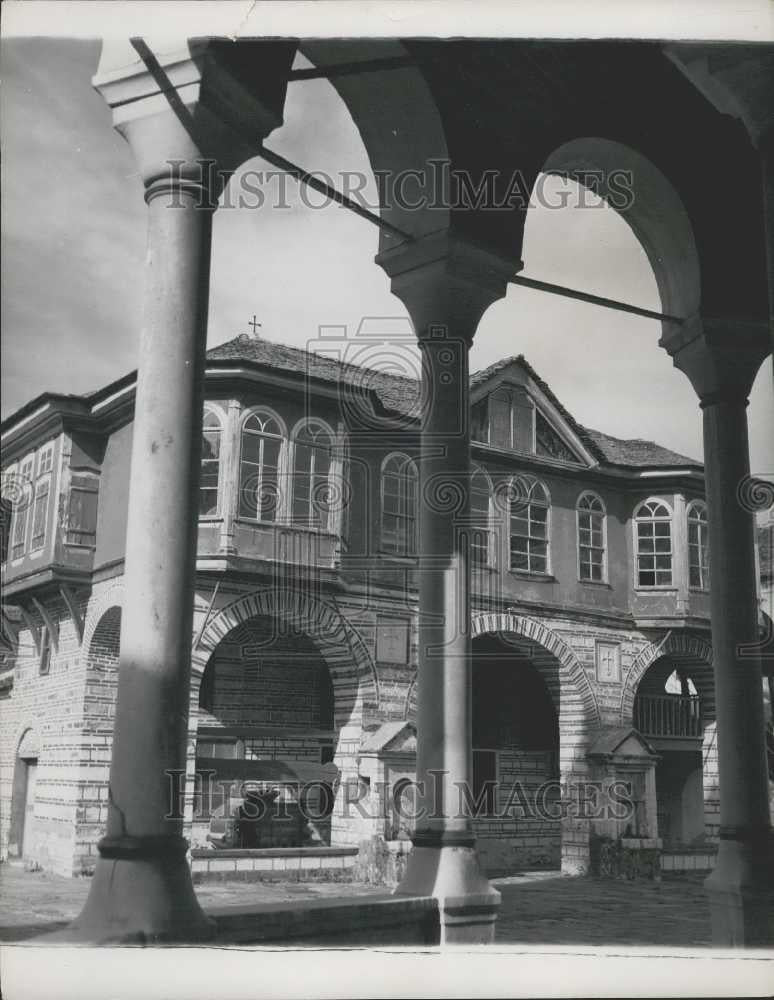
<point x="71" y="710"/>
<point x="50" y="705"/>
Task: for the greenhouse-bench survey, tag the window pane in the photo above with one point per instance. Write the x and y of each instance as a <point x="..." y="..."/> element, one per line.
<point x="208" y="501"/>
<point x="519" y="526"/>
<point x="210" y="444"/>
<point x="518" y="559"/>
<point x="39" y="515"/>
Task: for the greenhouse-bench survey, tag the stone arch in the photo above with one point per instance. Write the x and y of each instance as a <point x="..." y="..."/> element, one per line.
<point x="350" y="669"/>
<point x="579" y="693"/>
<point x="576" y="712"/>
<point x="349" y="663"/>
<point x="681" y="648"/>
<point x="693" y="786"/>
<point x="654" y="212"/>
<point x="102" y="651"/>
<point x="26" y="750"/>
<point x="27" y="741"/>
<point x="113" y="596"/>
<point x="415" y="138"/>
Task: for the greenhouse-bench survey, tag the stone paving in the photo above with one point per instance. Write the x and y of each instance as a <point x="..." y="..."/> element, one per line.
<point x="537" y="907"/>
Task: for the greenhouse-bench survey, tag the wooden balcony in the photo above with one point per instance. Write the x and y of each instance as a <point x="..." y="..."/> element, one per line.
<point x="668" y="715"/>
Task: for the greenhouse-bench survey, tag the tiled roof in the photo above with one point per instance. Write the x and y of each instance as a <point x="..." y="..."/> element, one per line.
<point x="638" y="452"/>
<point x="399" y="394"/>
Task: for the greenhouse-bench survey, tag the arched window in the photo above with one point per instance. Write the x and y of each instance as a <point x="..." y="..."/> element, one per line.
<point x="480" y="540"/>
<point x="698" y="546"/>
<point x="654" y="544"/>
<point x="210" y="474"/>
<point x="591" y="538"/>
<point x="312" y="452"/>
<point x="399" y="505"/>
<point x="529" y="508"/>
<point x="259" y="492"/>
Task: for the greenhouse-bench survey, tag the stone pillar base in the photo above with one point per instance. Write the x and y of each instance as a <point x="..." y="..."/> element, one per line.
<point x="139" y="901"/>
<point x="467" y="903"/>
<point x="741" y="894"/>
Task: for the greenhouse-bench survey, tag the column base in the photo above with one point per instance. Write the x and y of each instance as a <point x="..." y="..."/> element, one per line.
<point x="144" y="899"/>
<point x="467" y="903"/>
<point x="741" y="893"/>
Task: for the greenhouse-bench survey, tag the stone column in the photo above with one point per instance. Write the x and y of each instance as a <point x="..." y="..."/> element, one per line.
<point x="721" y="360"/>
<point x="446" y="285"/>
<point x="767" y="174"/>
<point x="142" y="890"/>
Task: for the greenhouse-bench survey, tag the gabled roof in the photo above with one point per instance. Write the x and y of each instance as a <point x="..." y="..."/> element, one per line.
<point x="400" y="394"/>
<point x="399" y="736"/>
<point x="396" y="394"/>
<point x="633" y="453"/>
<point x="619" y="739"/>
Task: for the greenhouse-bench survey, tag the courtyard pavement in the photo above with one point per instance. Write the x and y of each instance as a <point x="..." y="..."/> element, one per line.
<point x="537" y="907"/>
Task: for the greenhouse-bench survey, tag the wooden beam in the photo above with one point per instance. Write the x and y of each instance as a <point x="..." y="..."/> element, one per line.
<point x="206" y="618"/>
<point x="72" y="606"/>
<point x="34" y="629"/>
<point x="304" y="177"/>
<point x="53" y="630"/>
<point x="596" y="300"/>
<point x="10" y="633"/>
<point x="350" y="68"/>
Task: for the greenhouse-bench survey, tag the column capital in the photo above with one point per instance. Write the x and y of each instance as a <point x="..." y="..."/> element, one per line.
<point x="720" y="357"/>
<point x="444" y="280"/>
<point x="194" y="103"/>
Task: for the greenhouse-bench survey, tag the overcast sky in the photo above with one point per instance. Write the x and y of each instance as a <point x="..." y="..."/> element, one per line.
<point x="73" y="241"/>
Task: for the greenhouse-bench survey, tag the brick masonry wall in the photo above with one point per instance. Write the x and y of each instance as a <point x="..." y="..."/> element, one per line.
<point x="51" y="706"/>
<point x="101" y="658"/>
<point x="520" y="840"/>
<point x="71" y="711"/>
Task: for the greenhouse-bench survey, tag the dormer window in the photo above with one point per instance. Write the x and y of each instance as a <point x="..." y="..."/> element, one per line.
<point x="509" y="420"/>
<point x="548" y="443"/>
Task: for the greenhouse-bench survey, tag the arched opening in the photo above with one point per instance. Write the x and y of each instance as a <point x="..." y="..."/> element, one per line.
<point x="21" y="836"/>
<point x="625" y="235"/>
<point x="674" y="711"/>
<point x="516" y="695"/>
<point x="99" y="705"/>
<point x="266" y="740"/>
